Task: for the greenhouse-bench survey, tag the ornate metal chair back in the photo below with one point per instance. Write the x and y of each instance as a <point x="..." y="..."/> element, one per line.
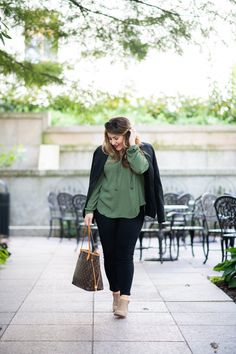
<point x="185" y="198"/>
<point x="210" y="218"/>
<point x="65" y="204"/>
<point x="170" y="198"/>
<point x="78" y="202"/>
<point x="225" y="207"/>
<point x="197" y="214"/>
<point x="53" y="205"/>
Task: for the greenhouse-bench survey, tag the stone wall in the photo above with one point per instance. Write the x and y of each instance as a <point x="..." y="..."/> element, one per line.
<point x="29" y="190"/>
<point x="25" y="129"/>
<point x="177" y="147"/>
<point x="171" y="159"/>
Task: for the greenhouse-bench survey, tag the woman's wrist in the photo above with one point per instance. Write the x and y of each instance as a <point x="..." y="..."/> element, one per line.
<point x="88" y="212"/>
<point x="132" y="145"/>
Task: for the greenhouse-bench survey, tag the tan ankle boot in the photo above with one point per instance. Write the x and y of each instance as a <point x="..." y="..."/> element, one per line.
<point x="116" y="299"/>
<point x="122" y="309"/>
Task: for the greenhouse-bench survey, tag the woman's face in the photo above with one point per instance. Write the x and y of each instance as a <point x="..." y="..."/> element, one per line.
<point x="116" y="140"/>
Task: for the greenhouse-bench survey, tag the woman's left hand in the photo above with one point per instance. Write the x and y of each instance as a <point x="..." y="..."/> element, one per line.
<point x="132" y="137"/>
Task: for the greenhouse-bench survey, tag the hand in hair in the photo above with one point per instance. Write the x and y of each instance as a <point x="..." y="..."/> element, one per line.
<point x="132" y="137"/>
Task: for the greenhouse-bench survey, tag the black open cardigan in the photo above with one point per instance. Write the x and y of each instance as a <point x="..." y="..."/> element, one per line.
<point x="152" y="182"/>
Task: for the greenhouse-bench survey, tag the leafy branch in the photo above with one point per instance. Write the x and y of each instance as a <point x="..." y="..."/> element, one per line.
<point x="37" y="74"/>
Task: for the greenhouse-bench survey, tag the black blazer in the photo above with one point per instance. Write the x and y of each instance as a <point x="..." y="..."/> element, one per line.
<point x="152" y="182"/>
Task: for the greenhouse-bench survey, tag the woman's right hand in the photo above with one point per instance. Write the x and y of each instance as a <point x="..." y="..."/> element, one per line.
<point x="88" y="219"/>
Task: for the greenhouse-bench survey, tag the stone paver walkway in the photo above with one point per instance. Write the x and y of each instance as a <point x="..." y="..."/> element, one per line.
<point x="174" y="308"/>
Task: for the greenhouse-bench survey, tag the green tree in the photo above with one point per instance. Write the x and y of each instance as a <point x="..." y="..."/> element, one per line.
<point x="120" y="28"/>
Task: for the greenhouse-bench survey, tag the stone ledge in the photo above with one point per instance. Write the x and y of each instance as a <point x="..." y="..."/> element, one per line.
<point x="25" y="115"/>
<point x="146" y="128"/>
<point x="32" y="230"/>
<point x="167" y="136"/>
<point x="158" y="148"/>
<point x="164" y="172"/>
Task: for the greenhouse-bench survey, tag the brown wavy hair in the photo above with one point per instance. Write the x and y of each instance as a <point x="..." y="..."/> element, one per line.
<point x="118" y="126"/>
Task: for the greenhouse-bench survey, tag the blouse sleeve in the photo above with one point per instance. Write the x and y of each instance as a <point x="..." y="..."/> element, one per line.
<point x="92" y="202"/>
<point x="137" y="160"/>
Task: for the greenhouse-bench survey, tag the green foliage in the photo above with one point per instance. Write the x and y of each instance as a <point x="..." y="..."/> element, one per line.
<point x="73" y="110"/>
<point x="42" y="21"/>
<point x="130" y="28"/>
<point x="229" y="269"/>
<point x="3" y="33"/>
<point x="42" y="73"/>
<point x="224" y="106"/>
<point x="38" y="74"/>
<point x="4" y="254"/>
<point x="3" y="26"/>
<point x="78" y="107"/>
<point x="136" y="48"/>
<point x="34" y="21"/>
<point x="12" y="103"/>
<point x="215" y="280"/>
<point x="7" y="158"/>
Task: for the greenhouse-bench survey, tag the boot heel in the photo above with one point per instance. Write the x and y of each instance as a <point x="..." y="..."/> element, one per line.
<point x="122" y="309"/>
<point x="116" y="299"/>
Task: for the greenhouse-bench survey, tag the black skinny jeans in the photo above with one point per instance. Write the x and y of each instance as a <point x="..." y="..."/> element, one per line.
<point x="118" y="238"/>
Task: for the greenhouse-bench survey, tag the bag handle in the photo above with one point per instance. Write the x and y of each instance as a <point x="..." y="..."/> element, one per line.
<point x="90" y="239"/>
<point x="95" y="281"/>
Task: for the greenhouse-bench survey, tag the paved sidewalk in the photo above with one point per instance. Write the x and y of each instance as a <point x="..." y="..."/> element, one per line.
<point x="174" y="308"/>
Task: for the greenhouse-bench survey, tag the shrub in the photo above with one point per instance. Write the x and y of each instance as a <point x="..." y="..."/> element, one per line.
<point x="87" y="108"/>
<point x="229" y="269"/>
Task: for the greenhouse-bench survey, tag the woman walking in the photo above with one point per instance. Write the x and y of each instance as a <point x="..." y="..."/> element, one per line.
<point x="124" y="186"/>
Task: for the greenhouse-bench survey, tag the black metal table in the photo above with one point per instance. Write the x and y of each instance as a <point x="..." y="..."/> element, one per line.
<point x="160" y="234"/>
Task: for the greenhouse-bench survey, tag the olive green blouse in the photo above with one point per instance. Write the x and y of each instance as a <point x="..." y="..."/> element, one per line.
<point x="119" y="191"/>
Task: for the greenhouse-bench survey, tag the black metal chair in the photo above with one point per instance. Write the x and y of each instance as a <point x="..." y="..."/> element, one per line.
<point x="170" y="198"/>
<point x="150" y="230"/>
<point x="185" y="199"/>
<point x="182" y="222"/>
<point x="148" y="221"/>
<point x="188" y="200"/>
<point x="78" y="202"/>
<point x="67" y="212"/>
<point x="55" y="213"/>
<point x="210" y="221"/>
<point x="225" y="207"/>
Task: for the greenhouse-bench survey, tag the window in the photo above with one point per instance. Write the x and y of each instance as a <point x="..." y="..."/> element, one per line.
<point x="40" y="47"/>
